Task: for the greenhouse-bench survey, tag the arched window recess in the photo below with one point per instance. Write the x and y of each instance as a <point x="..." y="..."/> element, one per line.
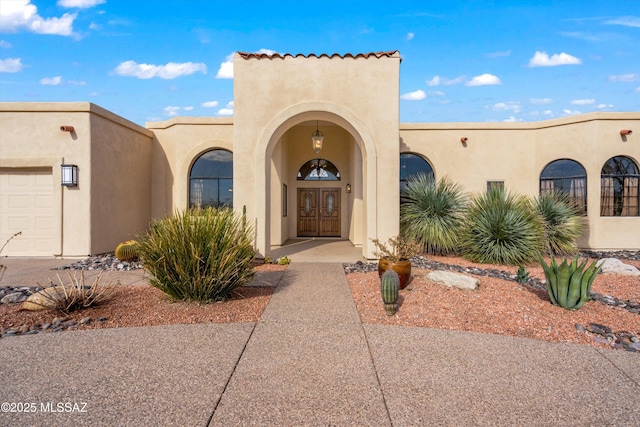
<point x="318" y="170"/>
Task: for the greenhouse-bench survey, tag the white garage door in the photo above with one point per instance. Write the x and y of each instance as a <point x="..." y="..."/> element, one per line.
<point x="26" y="205"/>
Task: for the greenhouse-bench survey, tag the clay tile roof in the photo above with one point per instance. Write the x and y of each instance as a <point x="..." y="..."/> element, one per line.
<point x="388" y="54"/>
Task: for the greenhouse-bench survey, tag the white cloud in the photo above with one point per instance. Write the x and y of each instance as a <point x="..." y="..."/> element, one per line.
<point x="507" y="106"/>
<point x="582" y="102"/>
<point x="210" y="104"/>
<point x="547" y="113"/>
<point x="627" y="21"/>
<point x="10" y="65"/>
<point x="51" y="81"/>
<point x="604" y="106"/>
<point x="77" y="82"/>
<point x="226" y="111"/>
<point x="416" y="95"/>
<point x="169" y="71"/>
<point x="437" y="93"/>
<point x="624" y="78"/>
<point x="541" y="101"/>
<point x="437" y="81"/>
<point x="5" y="44"/>
<point x="94" y="26"/>
<point x="266" y="51"/>
<point x="542" y="59"/>
<point x="188" y="108"/>
<point x="16" y="15"/>
<point x="171" y="110"/>
<point x="80" y="4"/>
<point x="512" y="119"/>
<point x="226" y="68"/>
<point x="410" y="36"/>
<point x="637" y="89"/>
<point x="570" y="112"/>
<point x="483" y="80"/>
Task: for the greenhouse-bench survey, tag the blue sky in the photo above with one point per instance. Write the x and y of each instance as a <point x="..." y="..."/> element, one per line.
<point x="463" y="61"/>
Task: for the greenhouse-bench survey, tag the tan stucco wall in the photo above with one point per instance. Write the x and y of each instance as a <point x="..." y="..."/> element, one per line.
<point x="31" y="137"/>
<point x="178" y="143"/>
<point x="359" y="95"/>
<point x="518" y="152"/>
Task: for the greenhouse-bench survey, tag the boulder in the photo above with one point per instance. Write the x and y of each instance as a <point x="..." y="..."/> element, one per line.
<point x="455" y="280"/>
<point x="614" y="265"/>
<point x="44" y="300"/>
<point x="13" y="298"/>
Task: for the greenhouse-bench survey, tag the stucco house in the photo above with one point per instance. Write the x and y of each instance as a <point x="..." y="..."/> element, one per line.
<point x="122" y="174"/>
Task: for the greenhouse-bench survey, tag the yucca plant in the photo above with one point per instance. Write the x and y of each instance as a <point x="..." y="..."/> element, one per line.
<point x="432" y="213"/>
<point x="502" y="228"/>
<point x="200" y="254"/>
<point x="562" y="222"/>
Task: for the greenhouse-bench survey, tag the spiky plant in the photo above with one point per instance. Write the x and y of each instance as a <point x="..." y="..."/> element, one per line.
<point x="502" y="228"/>
<point x="562" y="222"/>
<point x="432" y="213"/>
<point x="200" y="254"/>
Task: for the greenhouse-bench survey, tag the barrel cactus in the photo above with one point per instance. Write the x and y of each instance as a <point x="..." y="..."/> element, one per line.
<point x="127" y="251"/>
<point x="569" y="284"/>
<point x="390" y="283"/>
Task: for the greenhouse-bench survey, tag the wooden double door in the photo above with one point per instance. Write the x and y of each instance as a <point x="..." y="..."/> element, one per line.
<point x="318" y="212"/>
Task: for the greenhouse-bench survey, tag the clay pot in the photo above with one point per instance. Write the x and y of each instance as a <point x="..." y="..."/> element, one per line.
<point x="402" y="267"/>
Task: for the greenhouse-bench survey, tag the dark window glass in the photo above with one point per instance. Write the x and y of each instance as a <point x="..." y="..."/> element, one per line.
<point x="619" y="188"/>
<point x="566" y="176"/>
<point x="211" y="180"/>
<point x="318" y="170"/>
<point x="410" y="165"/>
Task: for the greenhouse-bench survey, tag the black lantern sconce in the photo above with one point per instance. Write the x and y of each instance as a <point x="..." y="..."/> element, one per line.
<point x="69" y="175"/>
<point x="348" y="188"/>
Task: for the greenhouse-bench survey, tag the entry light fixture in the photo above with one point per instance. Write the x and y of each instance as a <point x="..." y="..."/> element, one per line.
<point x="316" y="139"/>
<point x="348" y="188"/>
<point x="69" y="175"/>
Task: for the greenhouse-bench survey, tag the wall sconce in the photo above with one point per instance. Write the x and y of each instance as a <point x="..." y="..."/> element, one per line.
<point x="348" y="188"/>
<point x="316" y="139"/>
<point x="67" y="128"/>
<point x="69" y="175"/>
<point x="625" y="132"/>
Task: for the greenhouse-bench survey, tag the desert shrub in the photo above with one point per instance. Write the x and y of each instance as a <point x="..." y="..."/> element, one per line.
<point x="562" y="222"/>
<point x="397" y="248"/>
<point x="502" y="228"/>
<point x="200" y="254"/>
<point x="432" y="213"/>
<point x="71" y="296"/>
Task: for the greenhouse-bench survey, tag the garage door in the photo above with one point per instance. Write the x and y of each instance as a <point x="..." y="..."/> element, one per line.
<point x="26" y="205"/>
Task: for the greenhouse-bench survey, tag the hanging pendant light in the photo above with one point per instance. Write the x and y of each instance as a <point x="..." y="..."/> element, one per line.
<point x="316" y="139"/>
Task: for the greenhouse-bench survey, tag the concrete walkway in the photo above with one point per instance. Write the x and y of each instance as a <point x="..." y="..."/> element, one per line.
<point x="309" y="361"/>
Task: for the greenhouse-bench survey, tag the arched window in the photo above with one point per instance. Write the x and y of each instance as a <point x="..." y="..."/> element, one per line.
<point x="211" y="180"/>
<point x="412" y="164"/>
<point x="619" y="187"/>
<point x="566" y="176"/>
<point x="318" y="170"/>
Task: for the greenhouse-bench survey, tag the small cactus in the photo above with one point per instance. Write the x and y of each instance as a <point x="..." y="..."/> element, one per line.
<point x="127" y="251"/>
<point x="523" y="275"/>
<point x="390" y="283"/>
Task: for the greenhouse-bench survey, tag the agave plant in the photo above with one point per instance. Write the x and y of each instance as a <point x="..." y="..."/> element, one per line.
<point x="432" y="213"/>
<point x="502" y="228"/>
<point x="569" y="284"/>
<point x="562" y="222"/>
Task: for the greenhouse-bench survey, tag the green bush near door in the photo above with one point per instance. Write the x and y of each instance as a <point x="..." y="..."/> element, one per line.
<point x="199" y="255"/>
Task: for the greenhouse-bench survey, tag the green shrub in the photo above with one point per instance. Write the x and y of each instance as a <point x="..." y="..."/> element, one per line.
<point x="200" y="255"/>
<point x="432" y="213"/>
<point x="562" y="222"/>
<point x="502" y="228"/>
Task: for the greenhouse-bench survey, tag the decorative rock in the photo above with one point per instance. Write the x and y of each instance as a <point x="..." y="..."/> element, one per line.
<point x="455" y="280"/>
<point x="85" y="320"/>
<point x="580" y="328"/>
<point x="13" y="298"/>
<point x="43" y="300"/>
<point x="598" y="329"/>
<point x="614" y="265"/>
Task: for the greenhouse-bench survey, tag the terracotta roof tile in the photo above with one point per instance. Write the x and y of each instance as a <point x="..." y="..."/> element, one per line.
<point x="388" y="54"/>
